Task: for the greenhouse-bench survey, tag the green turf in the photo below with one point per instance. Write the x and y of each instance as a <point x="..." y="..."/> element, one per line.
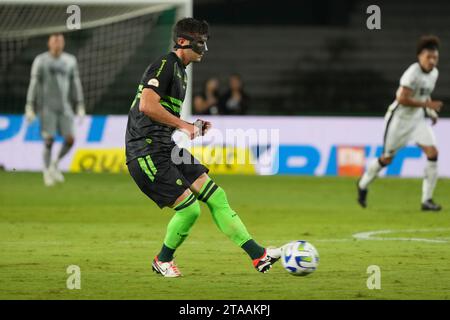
<point x="104" y="224"/>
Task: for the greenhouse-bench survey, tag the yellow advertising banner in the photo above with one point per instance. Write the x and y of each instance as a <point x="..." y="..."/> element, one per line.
<point x="219" y="159"/>
<point x="110" y="160"/>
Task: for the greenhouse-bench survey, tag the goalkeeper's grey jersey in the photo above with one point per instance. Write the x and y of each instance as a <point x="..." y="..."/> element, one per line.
<point x="55" y="83"/>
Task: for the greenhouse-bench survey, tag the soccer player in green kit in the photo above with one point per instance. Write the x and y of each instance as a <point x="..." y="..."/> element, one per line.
<point x="150" y="150"/>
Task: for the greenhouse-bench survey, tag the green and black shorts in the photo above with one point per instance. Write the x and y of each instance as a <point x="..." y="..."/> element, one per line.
<point x="161" y="178"/>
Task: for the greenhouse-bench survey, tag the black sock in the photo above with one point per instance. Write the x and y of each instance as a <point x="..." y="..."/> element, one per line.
<point x="166" y="254"/>
<point x="253" y="249"/>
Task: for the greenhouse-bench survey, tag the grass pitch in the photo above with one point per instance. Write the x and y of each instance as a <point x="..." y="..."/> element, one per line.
<point x="107" y="227"/>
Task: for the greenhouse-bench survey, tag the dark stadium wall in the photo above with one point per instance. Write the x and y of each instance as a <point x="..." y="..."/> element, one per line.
<point x="111" y="97"/>
<point x="300" y="58"/>
<point x="311" y="58"/>
<point x="300" y="12"/>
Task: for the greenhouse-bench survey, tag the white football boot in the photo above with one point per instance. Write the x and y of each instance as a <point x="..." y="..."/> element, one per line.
<point x="55" y="172"/>
<point x="166" y="269"/>
<point x="48" y="178"/>
<point x="264" y="264"/>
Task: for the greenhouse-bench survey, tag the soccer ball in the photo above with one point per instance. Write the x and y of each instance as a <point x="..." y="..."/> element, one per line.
<point x="299" y="258"/>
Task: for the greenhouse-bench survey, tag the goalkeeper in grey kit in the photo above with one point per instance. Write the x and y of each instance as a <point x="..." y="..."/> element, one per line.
<point x="54" y="86"/>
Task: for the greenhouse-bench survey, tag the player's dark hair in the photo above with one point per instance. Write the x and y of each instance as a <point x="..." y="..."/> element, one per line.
<point x="55" y="34"/>
<point x="428" y="42"/>
<point x="191" y="27"/>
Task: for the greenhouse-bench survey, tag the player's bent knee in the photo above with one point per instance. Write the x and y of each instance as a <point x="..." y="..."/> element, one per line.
<point x="192" y="211"/>
<point x="48" y="141"/>
<point x="384" y="161"/>
<point x="432" y="155"/>
<point x="190" y="206"/>
<point x="215" y="197"/>
<point x="69" y="141"/>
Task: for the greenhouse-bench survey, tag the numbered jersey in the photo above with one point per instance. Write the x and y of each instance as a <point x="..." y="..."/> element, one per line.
<point x="168" y="78"/>
<point x="422" y="85"/>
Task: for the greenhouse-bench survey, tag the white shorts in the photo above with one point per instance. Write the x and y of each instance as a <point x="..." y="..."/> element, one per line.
<point x="399" y="131"/>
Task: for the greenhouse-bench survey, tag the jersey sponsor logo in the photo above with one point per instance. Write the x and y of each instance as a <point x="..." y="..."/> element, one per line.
<point x="179" y="182"/>
<point x="153" y="82"/>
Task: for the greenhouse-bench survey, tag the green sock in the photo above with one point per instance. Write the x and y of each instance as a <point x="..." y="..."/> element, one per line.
<point x="225" y="218"/>
<point x="179" y="226"/>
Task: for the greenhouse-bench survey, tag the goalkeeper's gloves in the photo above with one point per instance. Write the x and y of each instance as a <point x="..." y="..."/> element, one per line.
<point x="81" y="112"/>
<point x="30" y="115"/>
<point x="432" y="114"/>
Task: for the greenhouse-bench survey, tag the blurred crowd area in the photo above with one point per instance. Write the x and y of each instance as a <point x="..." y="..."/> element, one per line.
<point x="294" y="58"/>
<point x="215" y="99"/>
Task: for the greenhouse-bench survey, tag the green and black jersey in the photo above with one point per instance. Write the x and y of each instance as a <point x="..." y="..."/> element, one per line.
<point x="168" y="78"/>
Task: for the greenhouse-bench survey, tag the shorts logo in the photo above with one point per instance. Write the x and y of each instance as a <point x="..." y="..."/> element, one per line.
<point x="179" y="182"/>
<point x="153" y="82"/>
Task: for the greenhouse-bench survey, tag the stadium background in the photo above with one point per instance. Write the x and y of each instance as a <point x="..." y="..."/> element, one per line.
<point x="313" y="70"/>
<point x="315" y="59"/>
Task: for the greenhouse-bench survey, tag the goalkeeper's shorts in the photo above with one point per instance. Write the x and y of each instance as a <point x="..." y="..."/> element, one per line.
<point x="56" y="123"/>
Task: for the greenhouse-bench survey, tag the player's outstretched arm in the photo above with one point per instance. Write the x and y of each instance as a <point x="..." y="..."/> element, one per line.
<point x="76" y="85"/>
<point x="32" y="90"/>
<point x="404" y="97"/>
<point x="151" y="107"/>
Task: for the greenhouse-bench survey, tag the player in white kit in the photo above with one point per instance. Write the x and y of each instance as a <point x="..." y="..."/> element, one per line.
<point x="406" y="121"/>
<point x="54" y="87"/>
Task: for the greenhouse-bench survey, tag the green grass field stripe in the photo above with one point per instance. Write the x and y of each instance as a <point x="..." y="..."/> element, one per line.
<point x="103" y="223"/>
<point x="145" y="168"/>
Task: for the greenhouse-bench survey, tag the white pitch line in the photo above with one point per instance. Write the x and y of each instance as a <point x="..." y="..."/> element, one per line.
<point x="370" y="235"/>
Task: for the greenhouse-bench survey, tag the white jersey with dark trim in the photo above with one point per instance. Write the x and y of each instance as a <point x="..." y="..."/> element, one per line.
<point x="422" y="84"/>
